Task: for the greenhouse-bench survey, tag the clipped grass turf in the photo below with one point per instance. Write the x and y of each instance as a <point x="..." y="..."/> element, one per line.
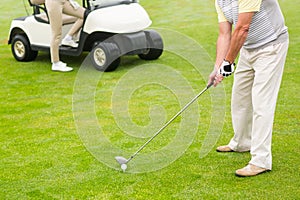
<point x="42" y="156"/>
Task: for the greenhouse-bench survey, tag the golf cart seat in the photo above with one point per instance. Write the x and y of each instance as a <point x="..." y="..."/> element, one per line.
<point x="40" y="13"/>
<point x="67" y="19"/>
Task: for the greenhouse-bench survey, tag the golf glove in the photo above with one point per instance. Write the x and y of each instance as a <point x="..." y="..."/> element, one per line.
<point x="226" y="68"/>
<point x="74" y="4"/>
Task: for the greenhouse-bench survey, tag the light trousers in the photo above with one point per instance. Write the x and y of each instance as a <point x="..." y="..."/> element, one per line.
<point x="55" y="10"/>
<point x="254" y="94"/>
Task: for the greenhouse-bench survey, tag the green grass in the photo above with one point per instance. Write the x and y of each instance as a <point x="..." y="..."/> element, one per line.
<point x="43" y="157"/>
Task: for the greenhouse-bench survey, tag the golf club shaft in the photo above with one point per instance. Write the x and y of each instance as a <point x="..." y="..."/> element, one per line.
<point x="172" y="119"/>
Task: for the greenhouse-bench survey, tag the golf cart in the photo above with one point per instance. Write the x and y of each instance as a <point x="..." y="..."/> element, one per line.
<point x="111" y="29"/>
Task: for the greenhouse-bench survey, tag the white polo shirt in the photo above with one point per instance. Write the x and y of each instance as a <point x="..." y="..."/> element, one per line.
<point x="267" y="24"/>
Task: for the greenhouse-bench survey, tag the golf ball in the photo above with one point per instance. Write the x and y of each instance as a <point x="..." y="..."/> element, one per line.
<point x="123" y="167"/>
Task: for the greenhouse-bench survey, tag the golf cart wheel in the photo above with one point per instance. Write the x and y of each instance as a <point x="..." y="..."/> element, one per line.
<point x="155" y="46"/>
<point x="106" y="57"/>
<point x="21" y="49"/>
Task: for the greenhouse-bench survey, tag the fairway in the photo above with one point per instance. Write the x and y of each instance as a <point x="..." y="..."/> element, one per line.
<point x="60" y="132"/>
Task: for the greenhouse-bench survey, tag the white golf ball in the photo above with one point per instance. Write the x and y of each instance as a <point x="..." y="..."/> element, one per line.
<point x="123" y="167"/>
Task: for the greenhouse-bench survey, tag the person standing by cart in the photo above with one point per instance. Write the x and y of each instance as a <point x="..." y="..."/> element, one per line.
<point x="261" y="38"/>
<point x="55" y="9"/>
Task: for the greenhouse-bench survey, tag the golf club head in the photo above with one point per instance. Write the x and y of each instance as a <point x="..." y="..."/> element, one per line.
<point x="121" y="160"/>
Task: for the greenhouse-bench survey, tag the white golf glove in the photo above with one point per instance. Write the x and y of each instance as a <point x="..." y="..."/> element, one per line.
<point x="74" y="4"/>
<point x="226" y="68"/>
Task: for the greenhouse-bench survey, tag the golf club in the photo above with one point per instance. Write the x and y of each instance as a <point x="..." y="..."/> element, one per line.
<point x="123" y="161"/>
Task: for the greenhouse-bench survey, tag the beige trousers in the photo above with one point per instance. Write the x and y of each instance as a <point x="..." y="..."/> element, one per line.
<point x="55" y="10"/>
<point x="256" y="85"/>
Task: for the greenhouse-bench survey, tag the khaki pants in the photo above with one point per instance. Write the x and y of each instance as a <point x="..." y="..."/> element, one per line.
<point x="55" y="9"/>
<point x="256" y="84"/>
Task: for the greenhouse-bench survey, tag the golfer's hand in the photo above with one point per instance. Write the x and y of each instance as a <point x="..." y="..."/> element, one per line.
<point x="215" y="78"/>
<point x="218" y="79"/>
<point x="211" y="78"/>
<point x="226" y="68"/>
<point x="218" y="74"/>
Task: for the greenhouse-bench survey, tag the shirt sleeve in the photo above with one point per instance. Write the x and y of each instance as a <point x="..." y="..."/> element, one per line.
<point x="221" y="17"/>
<point x="249" y="5"/>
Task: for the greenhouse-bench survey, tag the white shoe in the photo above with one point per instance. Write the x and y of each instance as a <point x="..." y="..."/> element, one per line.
<point x="69" y="42"/>
<point x="62" y="67"/>
<point x="250" y="170"/>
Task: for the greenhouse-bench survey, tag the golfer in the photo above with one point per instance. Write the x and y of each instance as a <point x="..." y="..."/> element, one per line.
<point x="261" y="40"/>
<point x="55" y="10"/>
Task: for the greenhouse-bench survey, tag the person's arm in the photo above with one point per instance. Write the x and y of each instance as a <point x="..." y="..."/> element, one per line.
<point x="223" y="44"/>
<point x="239" y="35"/>
<point x="237" y="40"/>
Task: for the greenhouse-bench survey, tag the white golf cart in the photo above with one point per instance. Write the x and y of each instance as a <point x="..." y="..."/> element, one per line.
<point x="111" y="29"/>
